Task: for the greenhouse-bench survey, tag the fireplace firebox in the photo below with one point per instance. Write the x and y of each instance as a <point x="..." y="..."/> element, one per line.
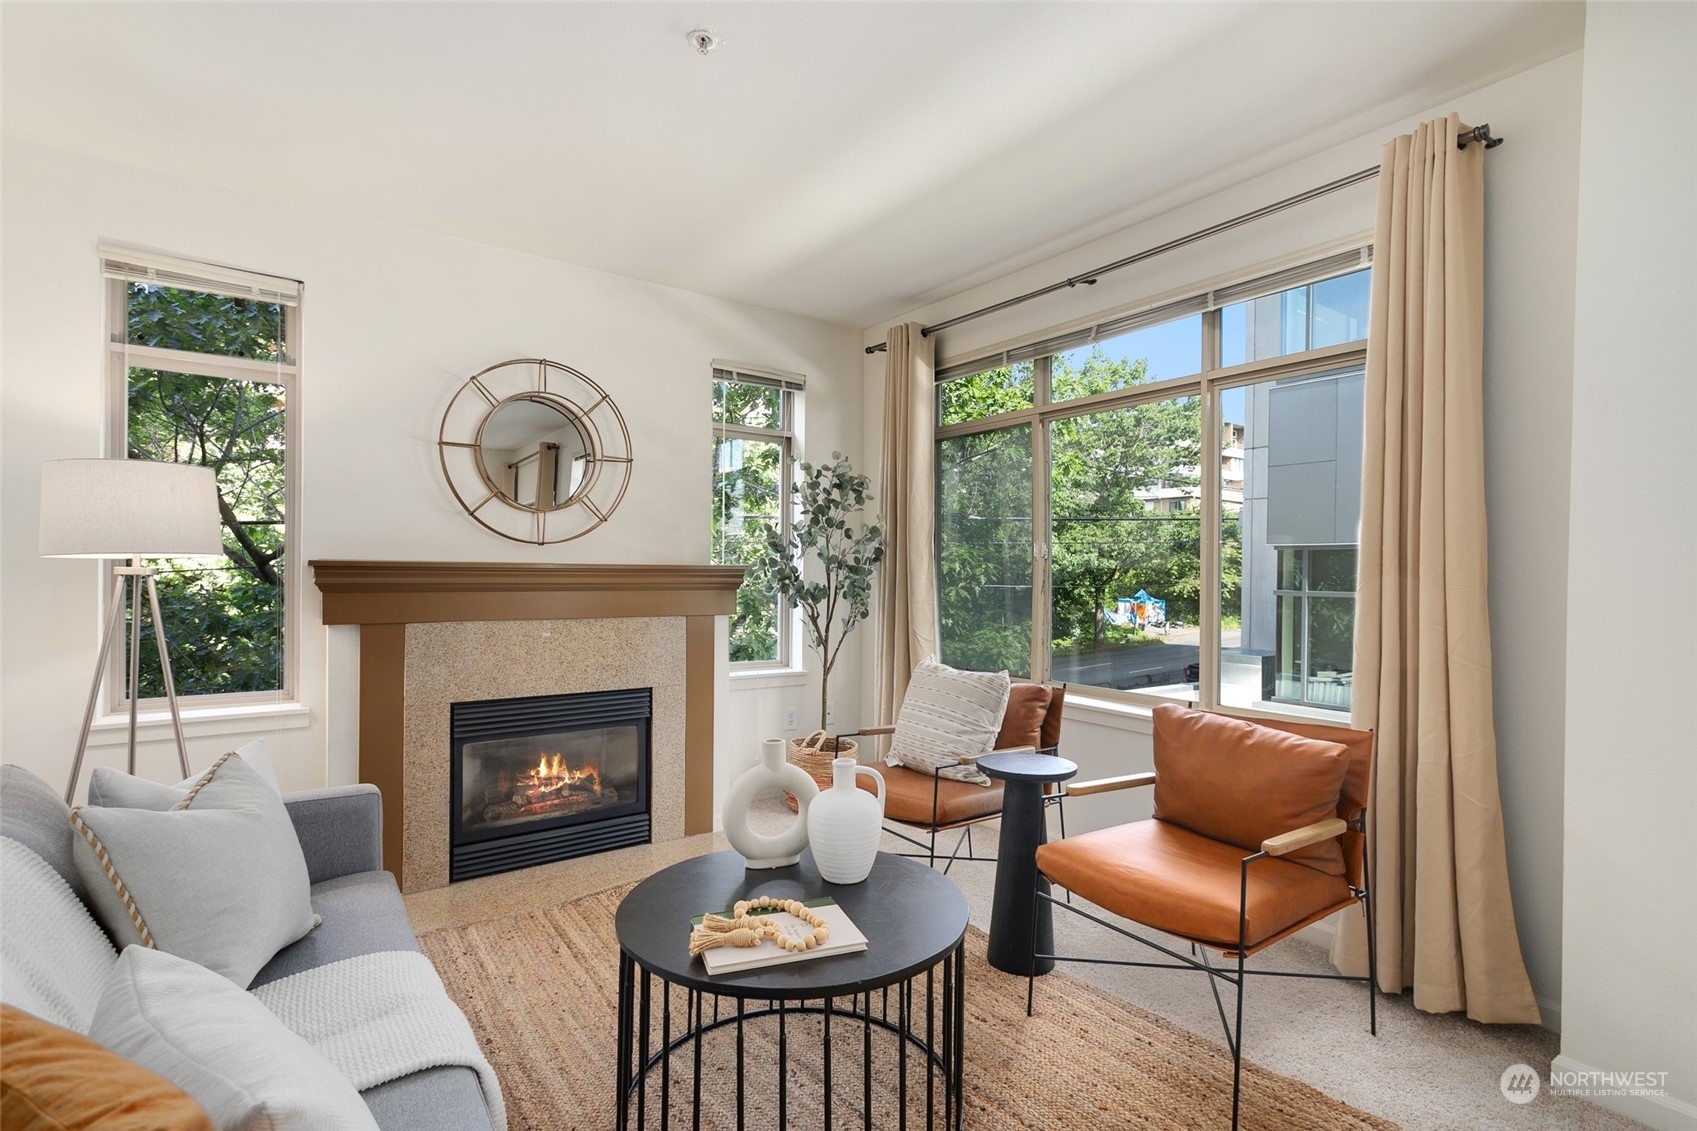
<point x="546" y="778"/>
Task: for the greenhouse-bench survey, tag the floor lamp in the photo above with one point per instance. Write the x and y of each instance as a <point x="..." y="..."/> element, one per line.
<point x="129" y="509"/>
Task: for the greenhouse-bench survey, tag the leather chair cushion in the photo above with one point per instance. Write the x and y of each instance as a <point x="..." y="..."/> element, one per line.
<point x="907" y="797"/>
<point x="1360" y="746"/>
<point x="1240" y="783"/>
<point x="1022" y="722"/>
<point x="1173" y="880"/>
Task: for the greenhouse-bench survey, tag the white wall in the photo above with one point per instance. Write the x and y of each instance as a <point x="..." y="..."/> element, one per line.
<point x="1530" y="217"/>
<point x="394" y="320"/>
<point x="1630" y="901"/>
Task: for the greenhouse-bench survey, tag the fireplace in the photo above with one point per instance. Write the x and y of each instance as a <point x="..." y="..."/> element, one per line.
<point x="547" y="777"/>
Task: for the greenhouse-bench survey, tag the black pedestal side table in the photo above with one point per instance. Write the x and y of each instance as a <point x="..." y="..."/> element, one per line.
<point x="910" y="981"/>
<point x="1016" y="915"/>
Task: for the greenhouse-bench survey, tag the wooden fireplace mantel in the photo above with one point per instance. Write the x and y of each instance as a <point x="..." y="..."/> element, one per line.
<point x="383" y="597"/>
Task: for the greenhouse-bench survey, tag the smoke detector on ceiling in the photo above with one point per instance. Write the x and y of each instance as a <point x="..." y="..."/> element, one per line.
<point x="703" y="41"/>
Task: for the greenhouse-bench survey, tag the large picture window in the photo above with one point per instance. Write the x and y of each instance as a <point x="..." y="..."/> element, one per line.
<point x="1165" y="504"/>
<point x="203" y="362"/>
<point x="754" y="429"/>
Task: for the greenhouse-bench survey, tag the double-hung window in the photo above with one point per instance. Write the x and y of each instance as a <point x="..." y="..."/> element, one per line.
<point x="203" y="363"/>
<point x="755" y="416"/>
<point x="1164" y="504"/>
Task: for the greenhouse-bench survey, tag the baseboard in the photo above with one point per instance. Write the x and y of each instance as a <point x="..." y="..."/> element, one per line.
<point x="1665" y="1113"/>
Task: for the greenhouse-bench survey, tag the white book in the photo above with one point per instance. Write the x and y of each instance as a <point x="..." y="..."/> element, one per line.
<point x="845" y="939"/>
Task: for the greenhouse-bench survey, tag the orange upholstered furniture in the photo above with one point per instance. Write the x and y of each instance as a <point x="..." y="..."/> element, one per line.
<point x="924" y="805"/>
<point x="1258" y="831"/>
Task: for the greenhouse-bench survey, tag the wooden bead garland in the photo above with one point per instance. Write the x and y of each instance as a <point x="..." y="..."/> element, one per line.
<point x="744" y="928"/>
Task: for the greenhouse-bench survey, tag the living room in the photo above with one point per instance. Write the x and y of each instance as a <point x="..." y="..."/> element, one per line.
<point x="454" y="186"/>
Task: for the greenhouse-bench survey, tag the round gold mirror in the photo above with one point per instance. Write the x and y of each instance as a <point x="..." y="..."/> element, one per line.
<point x="535" y="451"/>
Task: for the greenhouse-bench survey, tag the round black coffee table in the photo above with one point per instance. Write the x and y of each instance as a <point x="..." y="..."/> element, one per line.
<point x="1016" y="915"/>
<point x="914" y="920"/>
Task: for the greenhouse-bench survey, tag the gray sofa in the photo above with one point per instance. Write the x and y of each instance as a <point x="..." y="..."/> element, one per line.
<point x="340" y="831"/>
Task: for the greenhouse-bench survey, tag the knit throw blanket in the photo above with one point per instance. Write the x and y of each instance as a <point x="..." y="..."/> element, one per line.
<point x="382" y="1016"/>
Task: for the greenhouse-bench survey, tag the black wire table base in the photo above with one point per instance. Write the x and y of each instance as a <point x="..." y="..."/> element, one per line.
<point x="925" y="1014"/>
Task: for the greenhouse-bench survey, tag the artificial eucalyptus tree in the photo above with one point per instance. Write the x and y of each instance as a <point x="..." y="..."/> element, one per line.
<point x="844" y="554"/>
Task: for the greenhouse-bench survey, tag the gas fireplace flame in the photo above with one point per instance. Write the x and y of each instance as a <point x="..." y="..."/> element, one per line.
<point x="554" y="772"/>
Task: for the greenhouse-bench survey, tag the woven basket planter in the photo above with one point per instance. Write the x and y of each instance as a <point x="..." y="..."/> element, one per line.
<point x="815" y="754"/>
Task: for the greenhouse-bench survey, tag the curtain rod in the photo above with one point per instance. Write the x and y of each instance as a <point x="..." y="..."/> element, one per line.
<point x="1480" y="134"/>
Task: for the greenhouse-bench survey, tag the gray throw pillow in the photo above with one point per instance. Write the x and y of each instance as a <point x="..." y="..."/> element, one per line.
<point x="114" y="789"/>
<point x="219" y="880"/>
<point x="221" y="1046"/>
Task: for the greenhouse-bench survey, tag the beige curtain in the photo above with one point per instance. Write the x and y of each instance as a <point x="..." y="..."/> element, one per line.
<point x="1422" y="640"/>
<point x="907" y="584"/>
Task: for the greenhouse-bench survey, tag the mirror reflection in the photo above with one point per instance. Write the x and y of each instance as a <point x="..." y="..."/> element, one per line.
<point x="535" y="452"/>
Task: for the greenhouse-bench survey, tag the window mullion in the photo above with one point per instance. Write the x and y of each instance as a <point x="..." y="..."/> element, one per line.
<point x="1208" y="659"/>
<point x="1041" y="541"/>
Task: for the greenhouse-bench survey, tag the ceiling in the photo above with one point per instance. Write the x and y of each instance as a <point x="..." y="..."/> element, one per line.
<point x="840" y="160"/>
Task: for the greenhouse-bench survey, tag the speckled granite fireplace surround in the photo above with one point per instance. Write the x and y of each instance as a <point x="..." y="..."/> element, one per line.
<point x="504" y="659"/>
<point x="432" y="634"/>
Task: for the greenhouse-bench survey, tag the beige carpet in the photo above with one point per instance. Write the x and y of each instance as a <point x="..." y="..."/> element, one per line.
<point x="539" y="988"/>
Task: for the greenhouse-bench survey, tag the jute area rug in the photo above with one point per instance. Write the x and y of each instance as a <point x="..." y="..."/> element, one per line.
<point x="540" y="990"/>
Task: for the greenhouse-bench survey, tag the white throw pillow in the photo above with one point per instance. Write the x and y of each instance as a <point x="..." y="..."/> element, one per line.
<point x="222" y="1047"/>
<point x="53" y="955"/>
<point x="114" y="789"/>
<point x="946" y="715"/>
<point x="219" y="880"/>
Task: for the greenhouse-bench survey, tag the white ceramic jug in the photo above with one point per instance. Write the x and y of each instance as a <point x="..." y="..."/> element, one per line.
<point x="773" y="771"/>
<point x="845" y="824"/>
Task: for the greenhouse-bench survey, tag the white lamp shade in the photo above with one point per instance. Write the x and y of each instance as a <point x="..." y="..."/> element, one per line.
<point x="128" y="508"/>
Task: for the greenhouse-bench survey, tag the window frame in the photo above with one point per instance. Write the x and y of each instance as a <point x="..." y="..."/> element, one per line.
<point x="1305" y="593"/>
<point x="1208" y="385"/>
<point x="121" y="357"/>
<point x="787" y="436"/>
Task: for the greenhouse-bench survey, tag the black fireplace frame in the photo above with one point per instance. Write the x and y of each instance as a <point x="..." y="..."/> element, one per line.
<point x="484" y="852"/>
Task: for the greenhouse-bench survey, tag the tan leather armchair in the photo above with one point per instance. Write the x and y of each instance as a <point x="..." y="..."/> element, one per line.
<point x="1259" y="830"/>
<point x="918" y="807"/>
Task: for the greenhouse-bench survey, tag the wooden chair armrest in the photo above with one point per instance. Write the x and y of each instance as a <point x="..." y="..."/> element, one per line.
<point x="1303" y="837"/>
<point x="867" y="731"/>
<point x="1106" y="785"/>
<point x="972" y="759"/>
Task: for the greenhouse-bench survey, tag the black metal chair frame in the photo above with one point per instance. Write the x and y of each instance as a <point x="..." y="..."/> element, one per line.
<point x="930" y="844"/>
<point x="1198" y="959"/>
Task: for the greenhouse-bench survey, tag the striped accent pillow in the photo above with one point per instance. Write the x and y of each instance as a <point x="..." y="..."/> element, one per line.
<point x="948" y="714"/>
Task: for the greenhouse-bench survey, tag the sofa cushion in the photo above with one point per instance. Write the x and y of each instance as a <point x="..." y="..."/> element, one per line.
<point x="219" y="880"/>
<point x="362" y="913"/>
<point x="53" y="956"/>
<point x="221" y="1046"/>
<point x="33" y="814"/>
<point x="1240" y="783"/>
<point x="449" y="1096"/>
<point x="57" y="1080"/>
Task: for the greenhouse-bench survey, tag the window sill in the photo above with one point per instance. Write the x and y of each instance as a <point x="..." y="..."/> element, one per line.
<point x="753" y="678"/>
<point x="200" y="722"/>
<point x="1137" y="718"/>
